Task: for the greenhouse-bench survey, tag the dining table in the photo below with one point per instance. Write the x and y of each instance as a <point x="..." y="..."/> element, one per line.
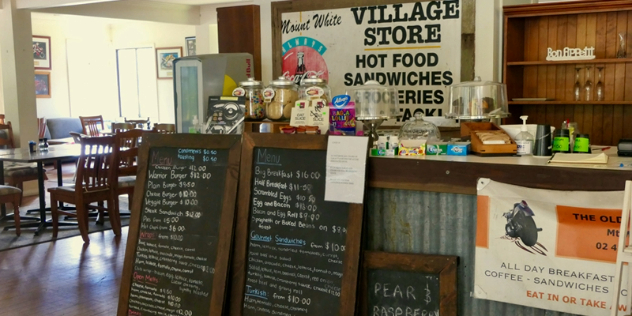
<point x="56" y="153"/>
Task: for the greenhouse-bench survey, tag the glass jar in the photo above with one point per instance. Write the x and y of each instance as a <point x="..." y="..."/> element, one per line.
<point x="417" y="132"/>
<point x="279" y="98"/>
<point x="478" y="100"/>
<point x="374" y="101"/>
<point x="252" y="90"/>
<point x="314" y="88"/>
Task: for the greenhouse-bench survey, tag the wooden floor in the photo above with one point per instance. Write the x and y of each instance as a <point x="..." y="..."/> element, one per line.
<point x="63" y="277"/>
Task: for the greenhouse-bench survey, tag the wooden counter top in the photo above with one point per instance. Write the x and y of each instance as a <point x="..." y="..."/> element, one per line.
<point x="452" y="174"/>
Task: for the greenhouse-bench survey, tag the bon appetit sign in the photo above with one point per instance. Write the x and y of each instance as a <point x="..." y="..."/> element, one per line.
<point x="415" y="47"/>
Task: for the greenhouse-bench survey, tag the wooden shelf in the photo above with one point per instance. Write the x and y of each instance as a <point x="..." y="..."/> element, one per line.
<point x="570" y="62"/>
<point x="531" y="29"/>
<point x="573" y="102"/>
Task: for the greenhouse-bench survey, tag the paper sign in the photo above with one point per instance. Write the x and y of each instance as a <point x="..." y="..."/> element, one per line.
<point x="346" y="166"/>
<point x="299" y="116"/>
<point x="319" y="116"/>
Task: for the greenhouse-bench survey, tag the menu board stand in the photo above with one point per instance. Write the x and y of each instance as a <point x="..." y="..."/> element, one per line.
<point x="179" y="241"/>
<point x="294" y="253"/>
<point x="408" y="284"/>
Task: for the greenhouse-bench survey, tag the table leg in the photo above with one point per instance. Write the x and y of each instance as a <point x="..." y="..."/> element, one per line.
<point x="42" y="197"/>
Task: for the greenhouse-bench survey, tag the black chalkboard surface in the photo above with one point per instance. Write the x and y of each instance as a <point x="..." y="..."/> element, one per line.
<point x="409" y="284"/>
<point x="179" y="239"/>
<point x="295" y="254"/>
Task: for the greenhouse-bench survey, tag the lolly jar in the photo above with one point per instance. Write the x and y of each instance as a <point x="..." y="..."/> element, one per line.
<point x="279" y="98"/>
<point x="252" y="91"/>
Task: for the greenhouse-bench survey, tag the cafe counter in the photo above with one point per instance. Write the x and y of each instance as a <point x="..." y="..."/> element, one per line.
<point x="427" y="205"/>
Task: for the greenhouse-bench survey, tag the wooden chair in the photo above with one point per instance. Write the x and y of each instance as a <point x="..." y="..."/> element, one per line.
<point x="93" y="184"/>
<point x="139" y="122"/>
<point x="13" y="195"/>
<point x="126" y="155"/>
<point x="41" y="127"/>
<point x="91" y="125"/>
<point x="122" y="127"/>
<point x="165" y="128"/>
<point x="16" y="173"/>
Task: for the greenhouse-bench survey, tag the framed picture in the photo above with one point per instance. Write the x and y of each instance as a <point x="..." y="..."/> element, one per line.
<point x="41" y="52"/>
<point x="190" y="45"/>
<point x="42" y="84"/>
<point x="164" y="58"/>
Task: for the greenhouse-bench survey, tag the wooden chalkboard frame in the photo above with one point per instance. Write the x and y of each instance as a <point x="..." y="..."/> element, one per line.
<point x="354" y="229"/>
<point x="233" y="144"/>
<point x="444" y="266"/>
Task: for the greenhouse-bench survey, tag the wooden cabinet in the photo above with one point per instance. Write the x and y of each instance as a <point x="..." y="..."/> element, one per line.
<point x="531" y="29"/>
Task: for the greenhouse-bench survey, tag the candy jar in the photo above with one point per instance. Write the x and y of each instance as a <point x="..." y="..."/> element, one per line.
<point x="280" y="97"/>
<point x="417" y="132"/>
<point x="252" y="91"/>
<point x="314" y="88"/>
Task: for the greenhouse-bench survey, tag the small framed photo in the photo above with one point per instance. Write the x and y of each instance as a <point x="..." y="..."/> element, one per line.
<point x="42" y="84"/>
<point x="165" y="57"/>
<point x="190" y="45"/>
<point x="41" y="52"/>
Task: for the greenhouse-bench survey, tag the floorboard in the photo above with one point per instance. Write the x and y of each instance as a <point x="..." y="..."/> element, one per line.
<point x="64" y="277"/>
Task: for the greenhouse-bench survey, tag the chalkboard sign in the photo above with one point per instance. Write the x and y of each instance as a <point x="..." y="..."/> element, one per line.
<point x="178" y="249"/>
<point x="295" y="254"/>
<point x="409" y="284"/>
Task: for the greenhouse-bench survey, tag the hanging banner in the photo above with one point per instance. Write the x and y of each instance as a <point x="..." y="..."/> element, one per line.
<point x="415" y="47"/>
<point x="553" y="250"/>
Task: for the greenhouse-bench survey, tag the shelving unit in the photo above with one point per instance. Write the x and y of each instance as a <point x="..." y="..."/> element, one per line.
<point x="567" y="62"/>
<point x="531" y="29"/>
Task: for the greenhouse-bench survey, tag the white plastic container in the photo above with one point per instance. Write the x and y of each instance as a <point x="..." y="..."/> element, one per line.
<point x="524" y="139"/>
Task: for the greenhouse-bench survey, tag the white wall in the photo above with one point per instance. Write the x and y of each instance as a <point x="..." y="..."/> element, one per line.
<point x="105" y="35"/>
<point x="1" y="91"/>
<point x="265" y="12"/>
<point x="142" y="34"/>
<point x="93" y="32"/>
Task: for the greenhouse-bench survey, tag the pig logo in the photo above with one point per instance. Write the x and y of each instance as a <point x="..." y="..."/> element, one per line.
<point x="521" y="228"/>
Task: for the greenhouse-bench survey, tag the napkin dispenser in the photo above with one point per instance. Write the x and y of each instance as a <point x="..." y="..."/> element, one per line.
<point x="624" y="148"/>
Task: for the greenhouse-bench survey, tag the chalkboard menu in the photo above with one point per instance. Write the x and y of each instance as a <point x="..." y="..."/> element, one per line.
<point x="177" y="235"/>
<point x="298" y="253"/>
<point x="409" y="284"/>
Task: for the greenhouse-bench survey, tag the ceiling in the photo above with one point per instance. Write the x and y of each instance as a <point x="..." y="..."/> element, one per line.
<point x="200" y="2"/>
<point x="42" y="4"/>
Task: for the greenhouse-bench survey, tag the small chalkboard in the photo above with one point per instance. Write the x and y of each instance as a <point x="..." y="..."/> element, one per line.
<point x="295" y="253"/>
<point x="409" y="284"/>
<point x="179" y="241"/>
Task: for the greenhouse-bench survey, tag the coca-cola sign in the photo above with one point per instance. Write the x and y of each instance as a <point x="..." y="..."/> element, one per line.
<point x="302" y="58"/>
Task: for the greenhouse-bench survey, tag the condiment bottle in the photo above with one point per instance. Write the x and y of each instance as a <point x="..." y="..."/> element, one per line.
<point x="524" y="139"/>
<point x="252" y="90"/>
<point x="314" y="88"/>
<point x="561" y="141"/>
<point x="279" y="98"/>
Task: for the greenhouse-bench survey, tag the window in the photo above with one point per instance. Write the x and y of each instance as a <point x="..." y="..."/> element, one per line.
<point x="138" y="95"/>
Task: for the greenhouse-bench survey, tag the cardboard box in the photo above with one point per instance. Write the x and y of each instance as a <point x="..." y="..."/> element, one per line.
<point x="470" y="129"/>
<point x="458" y="149"/>
<point x="437" y="149"/>
<point x="413" y="151"/>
